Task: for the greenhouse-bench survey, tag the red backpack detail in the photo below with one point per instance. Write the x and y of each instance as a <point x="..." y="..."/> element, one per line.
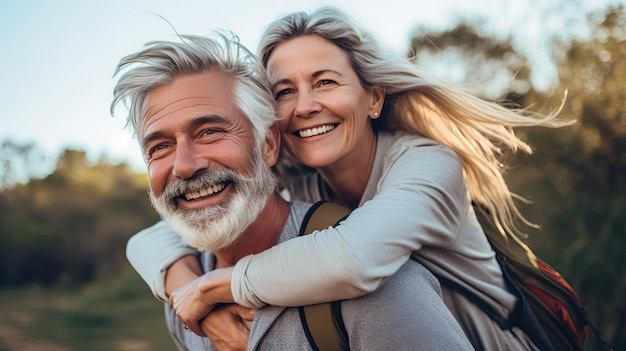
<point x="551" y="298"/>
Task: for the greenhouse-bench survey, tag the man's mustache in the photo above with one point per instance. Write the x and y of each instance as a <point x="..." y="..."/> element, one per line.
<point x="200" y="180"/>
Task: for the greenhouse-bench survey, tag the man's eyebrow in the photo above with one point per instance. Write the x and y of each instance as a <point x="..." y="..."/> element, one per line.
<point x="148" y="139"/>
<point x="209" y="119"/>
<point x="195" y="123"/>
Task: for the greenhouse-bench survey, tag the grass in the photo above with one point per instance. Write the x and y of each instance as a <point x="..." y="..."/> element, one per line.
<point x="113" y="315"/>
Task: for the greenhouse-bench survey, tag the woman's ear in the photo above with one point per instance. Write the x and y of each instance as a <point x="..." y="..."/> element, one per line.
<point x="271" y="146"/>
<point x="377" y="101"/>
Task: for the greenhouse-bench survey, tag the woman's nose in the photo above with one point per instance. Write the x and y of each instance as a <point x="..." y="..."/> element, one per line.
<point x="306" y="104"/>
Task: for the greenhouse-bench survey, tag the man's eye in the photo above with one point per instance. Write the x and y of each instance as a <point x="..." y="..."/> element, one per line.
<point x="210" y="131"/>
<point x="156" y="149"/>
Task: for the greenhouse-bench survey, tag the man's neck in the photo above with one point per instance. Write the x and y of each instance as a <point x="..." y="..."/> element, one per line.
<point x="259" y="236"/>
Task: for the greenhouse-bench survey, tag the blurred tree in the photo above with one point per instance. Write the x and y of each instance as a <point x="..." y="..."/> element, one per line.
<point x="20" y="163"/>
<point x="577" y="178"/>
<point x="490" y="67"/>
<point x="71" y="226"/>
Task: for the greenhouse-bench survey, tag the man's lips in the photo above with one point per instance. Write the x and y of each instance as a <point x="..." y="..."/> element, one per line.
<point x="311" y="132"/>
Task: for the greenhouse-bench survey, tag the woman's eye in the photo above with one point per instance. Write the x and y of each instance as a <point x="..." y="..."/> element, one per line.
<point x="281" y="93"/>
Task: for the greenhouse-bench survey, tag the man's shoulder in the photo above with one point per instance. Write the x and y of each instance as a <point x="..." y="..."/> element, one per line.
<point x="300" y="208"/>
<point x="297" y="214"/>
<point x="408" y="305"/>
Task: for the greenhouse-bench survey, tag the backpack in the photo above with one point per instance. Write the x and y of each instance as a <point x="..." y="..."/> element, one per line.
<point x="548" y="309"/>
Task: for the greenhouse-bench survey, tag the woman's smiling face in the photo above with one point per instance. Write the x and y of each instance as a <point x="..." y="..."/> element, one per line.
<point x="324" y="109"/>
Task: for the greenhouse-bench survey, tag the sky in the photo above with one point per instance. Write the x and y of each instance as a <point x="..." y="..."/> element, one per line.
<point x="58" y="57"/>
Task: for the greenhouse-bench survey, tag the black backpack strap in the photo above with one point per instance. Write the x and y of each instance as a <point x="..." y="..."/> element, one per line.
<point x="322" y="323"/>
<point x="603" y="343"/>
<point x="473" y="298"/>
<point x="321" y="215"/>
<point x="521" y="316"/>
<point x="323" y="326"/>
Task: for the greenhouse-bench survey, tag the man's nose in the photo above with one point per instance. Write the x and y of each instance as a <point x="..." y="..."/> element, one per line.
<point x="188" y="160"/>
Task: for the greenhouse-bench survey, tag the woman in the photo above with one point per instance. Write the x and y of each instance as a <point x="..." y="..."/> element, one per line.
<point x="406" y="152"/>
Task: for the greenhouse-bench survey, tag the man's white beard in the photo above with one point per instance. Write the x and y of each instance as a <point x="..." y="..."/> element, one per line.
<point x="218" y="226"/>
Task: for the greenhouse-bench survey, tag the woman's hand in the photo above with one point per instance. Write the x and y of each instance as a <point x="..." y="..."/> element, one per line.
<point x="228" y="326"/>
<point x="195" y="300"/>
<point x="181" y="272"/>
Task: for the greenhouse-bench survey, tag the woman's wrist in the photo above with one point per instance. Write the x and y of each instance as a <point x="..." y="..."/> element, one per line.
<point x="215" y="285"/>
<point x="181" y="272"/>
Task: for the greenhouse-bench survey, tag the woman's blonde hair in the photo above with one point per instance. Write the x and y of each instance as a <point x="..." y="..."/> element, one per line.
<point x="478" y="131"/>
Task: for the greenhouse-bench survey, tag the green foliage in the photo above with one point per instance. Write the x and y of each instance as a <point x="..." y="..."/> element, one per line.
<point x="577" y="177"/>
<point x="111" y="314"/>
<point x="20" y="163"/>
<point x="72" y="226"/>
<point x="491" y="66"/>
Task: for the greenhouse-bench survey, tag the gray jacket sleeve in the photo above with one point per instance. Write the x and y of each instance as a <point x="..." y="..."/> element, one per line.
<point x="151" y="252"/>
<point x="419" y="200"/>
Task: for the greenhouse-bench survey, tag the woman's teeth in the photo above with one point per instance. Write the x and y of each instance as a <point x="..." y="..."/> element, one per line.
<point x="306" y="133"/>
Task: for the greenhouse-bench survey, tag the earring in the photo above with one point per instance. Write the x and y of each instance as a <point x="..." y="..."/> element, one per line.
<point x="375" y="114"/>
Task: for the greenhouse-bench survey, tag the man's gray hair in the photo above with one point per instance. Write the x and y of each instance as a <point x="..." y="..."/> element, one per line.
<point x="162" y="61"/>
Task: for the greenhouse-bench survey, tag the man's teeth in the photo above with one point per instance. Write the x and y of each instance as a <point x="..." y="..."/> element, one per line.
<point x="215" y="188"/>
<point x="305" y="133"/>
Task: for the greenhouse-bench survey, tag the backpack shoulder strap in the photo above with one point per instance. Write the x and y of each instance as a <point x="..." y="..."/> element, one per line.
<point x="522" y="314"/>
<point x="322" y="323"/>
<point x="321" y="215"/>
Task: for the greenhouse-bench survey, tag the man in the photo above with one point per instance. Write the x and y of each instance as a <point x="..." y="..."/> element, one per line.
<point x="203" y="115"/>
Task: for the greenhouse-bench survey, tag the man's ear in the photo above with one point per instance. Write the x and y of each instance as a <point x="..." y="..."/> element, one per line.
<point x="271" y="146"/>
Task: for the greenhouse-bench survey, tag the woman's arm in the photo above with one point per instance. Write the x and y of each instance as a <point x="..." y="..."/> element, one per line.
<point x="194" y="301"/>
<point x="419" y="201"/>
<point x="181" y="272"/>
<point x="153" y="250"/>
<point x="170" y="268"/>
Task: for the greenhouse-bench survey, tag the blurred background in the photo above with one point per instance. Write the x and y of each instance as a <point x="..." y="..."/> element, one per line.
<point x="73" y="185"/>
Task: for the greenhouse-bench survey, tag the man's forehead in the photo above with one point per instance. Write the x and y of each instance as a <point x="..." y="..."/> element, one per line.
<point x="190" y="95"/>
<point x="206" y="85"/>
<point x="179" y="101"/>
